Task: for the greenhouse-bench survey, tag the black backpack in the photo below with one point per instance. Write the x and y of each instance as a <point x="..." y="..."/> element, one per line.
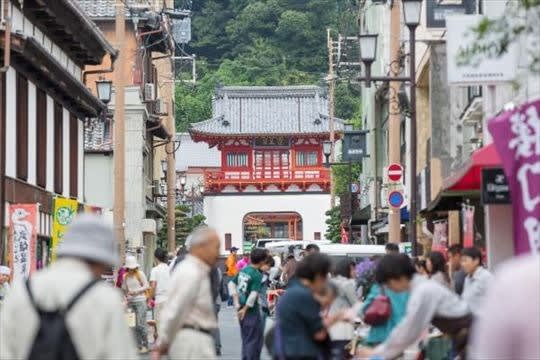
<point x="53" y="341"/>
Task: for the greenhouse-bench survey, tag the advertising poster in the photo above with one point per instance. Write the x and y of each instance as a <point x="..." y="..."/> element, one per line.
<point x="23" y="225"/>
<point x="516" y="135"/>
<point x="440" y="236"/>
<point x="64" y="212"/>
<point x="467" y="214"/>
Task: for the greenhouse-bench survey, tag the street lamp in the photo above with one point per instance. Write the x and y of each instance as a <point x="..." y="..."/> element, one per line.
<point x="104" y="90"/>
<point x="327" y="150"/>
<point x="411" y="12"/>
<point x="368" y="44"/>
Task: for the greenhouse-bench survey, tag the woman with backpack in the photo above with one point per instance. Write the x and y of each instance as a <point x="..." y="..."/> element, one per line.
<point x="136" y="289"/>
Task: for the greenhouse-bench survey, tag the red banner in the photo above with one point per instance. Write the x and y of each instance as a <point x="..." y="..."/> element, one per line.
<point x="467" y="213"/>
<point x="23" y="226"/>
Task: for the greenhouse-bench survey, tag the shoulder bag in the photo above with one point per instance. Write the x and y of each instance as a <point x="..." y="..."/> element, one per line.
<point x="379" y="311"/>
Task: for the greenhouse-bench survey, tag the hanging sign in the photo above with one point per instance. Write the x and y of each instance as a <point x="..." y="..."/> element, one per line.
<point x="23" y="221"/>
<point x="64" y="212"/>
<point x="437" y="11"/>
<point x="495" y="188"/>
<point x="517" y="137"/>
<point x="354" y="146"/>
<point x="467" y="216"/>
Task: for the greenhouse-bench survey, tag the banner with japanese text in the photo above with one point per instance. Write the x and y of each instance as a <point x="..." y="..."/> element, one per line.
<point x="516" y="135"/>
<point x="440" y="236"/>
<point x="23" y="228"/>
<point x="64" y="212"/>
<point x="467" y="219"/>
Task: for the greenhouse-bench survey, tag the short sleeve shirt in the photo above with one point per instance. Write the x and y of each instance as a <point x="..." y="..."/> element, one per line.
<point x="247" y="280"/>
<point x="161" y="275"/>
<point x="301" y="314"/>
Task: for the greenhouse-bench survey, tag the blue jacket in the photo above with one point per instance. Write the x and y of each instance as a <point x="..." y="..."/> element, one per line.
<point x="378" y="334"/>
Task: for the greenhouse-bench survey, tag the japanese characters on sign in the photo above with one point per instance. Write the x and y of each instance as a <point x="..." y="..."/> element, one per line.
<point x="23" y="221"/>
<point x="495" y="188"/>
<point x="64" y="211"/>
<point x="517" y="137"/>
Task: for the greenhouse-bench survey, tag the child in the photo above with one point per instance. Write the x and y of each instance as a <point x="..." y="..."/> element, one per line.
<point x="245" y="289"/>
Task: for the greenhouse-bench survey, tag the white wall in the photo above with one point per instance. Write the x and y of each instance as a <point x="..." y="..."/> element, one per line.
<point x="50" y="144"/>
<point x="65" y="150"/>
<point x="226" y="213"/>
<point x="98" y="180"/>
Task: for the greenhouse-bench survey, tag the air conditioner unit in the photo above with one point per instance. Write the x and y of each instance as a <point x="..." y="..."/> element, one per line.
<point x="149" y="92"/>
<point x="161" y="107"/>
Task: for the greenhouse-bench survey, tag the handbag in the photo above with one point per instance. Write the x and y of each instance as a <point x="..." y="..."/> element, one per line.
<point x="379" y="311"/>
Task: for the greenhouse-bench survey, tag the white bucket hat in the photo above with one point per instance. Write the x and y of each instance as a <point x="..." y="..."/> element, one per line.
<point x="4" y="270"/>
<point x="131" y="262"/>
<point x="90" y="237"/>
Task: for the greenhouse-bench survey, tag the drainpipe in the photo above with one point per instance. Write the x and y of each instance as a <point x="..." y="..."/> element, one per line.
<point x="7" y="61"/>
<point x="101" y="71"/>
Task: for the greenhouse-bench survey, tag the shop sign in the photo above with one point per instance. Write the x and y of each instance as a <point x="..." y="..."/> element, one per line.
<point x="495" y="189"/>
<point x="23" y="228"/>
<point x="64" y="212"/>
<point x="271" y="142"/>
<point x="516" y="135"/>
<point x="354" y="146"/>
<point x="437" y="11"/>
<point x="460" y="41"/>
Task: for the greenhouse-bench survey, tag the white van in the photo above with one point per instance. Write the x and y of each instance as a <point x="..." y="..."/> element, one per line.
<point x="281" y="247"/>
<point x="358" y="252"/>
<point x="260" y="243"/>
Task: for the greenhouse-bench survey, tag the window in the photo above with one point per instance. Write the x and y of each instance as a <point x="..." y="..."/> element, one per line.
<point x="73" y="156"/>
<point x="58" y="148"/>
<point x="22" y="127"/>
<point x="228" y="241"/>
<point x="41" y="138"/>
<point x="316" y="236"/>
<point x="307" y="158"/>
<point x="237" y="159"/>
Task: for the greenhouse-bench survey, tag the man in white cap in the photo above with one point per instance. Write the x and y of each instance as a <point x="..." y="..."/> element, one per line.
<point x="93" y="313"/>
<point x="188" y="319"/>
<point x="5" y="273"/>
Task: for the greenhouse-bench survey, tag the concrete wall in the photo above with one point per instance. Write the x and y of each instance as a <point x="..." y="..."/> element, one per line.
<point x="226" y="212"/>
<point x="98" y="180"/>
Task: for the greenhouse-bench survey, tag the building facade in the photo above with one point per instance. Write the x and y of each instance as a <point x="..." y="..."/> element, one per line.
<point x="272" y="167"/>
<point x="43" y="105"/>
<point x="148" y="117"/>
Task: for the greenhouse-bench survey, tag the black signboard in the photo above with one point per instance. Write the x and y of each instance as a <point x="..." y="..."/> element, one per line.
<point x="272" y="142"/>
<point x="495" y="189"/>
<point x="438" y="10"/>
<point x="354" y="146"/>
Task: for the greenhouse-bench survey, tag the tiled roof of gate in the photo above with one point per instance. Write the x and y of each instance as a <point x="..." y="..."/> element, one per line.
<point x="268" y="110"/>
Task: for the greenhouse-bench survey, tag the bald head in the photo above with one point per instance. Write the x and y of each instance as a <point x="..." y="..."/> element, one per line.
<point x="204" y="243"/>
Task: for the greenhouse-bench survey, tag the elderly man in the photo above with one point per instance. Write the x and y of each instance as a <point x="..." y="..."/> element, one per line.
<point x="188" y="319"/>
<point x="71" y="288"/>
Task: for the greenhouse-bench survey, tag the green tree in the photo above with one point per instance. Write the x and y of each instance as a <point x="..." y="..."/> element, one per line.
<point x="333" y="222"/>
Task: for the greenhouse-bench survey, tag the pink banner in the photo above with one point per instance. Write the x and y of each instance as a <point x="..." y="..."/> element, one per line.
<point x="517" y="137"/>
<point x="22" y="239"/>
<point x="440" y="236"/>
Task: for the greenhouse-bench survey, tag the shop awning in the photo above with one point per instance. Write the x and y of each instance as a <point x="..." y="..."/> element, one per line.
<point x="469" y="176"/>
<point x="466" y="182"/>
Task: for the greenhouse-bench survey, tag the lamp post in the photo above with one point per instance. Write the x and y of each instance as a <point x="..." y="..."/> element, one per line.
<point x="327" y="151"/>
<point x="368" y="51"/>
<point x="104" y="90"/>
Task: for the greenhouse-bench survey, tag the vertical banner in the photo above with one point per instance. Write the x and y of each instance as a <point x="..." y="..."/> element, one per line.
<point x="467" y="215"/>
<point x="64" y="212"/>
<point x="23" y="221"/>
<point x="440" y="236"/>
<point x="516" y="135"/>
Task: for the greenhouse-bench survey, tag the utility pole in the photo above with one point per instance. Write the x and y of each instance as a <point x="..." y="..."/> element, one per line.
<point x="331" y="88"/>
<point x="119" y="132"/>
<point x="394" y="120"/>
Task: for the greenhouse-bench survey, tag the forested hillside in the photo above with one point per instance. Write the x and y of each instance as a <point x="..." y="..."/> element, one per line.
<point x="262" y="42"/>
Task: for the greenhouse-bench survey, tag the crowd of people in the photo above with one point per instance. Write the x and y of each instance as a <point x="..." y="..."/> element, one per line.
<point x="316" y="304"/>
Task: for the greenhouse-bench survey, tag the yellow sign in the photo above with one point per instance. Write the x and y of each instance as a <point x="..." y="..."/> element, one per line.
<point x="64" y="212"/>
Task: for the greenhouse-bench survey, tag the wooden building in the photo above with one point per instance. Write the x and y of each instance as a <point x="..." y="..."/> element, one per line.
<point x="43" y="103"/>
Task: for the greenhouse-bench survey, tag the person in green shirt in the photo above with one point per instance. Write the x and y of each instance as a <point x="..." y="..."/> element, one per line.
<point x="245" y="288"/>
